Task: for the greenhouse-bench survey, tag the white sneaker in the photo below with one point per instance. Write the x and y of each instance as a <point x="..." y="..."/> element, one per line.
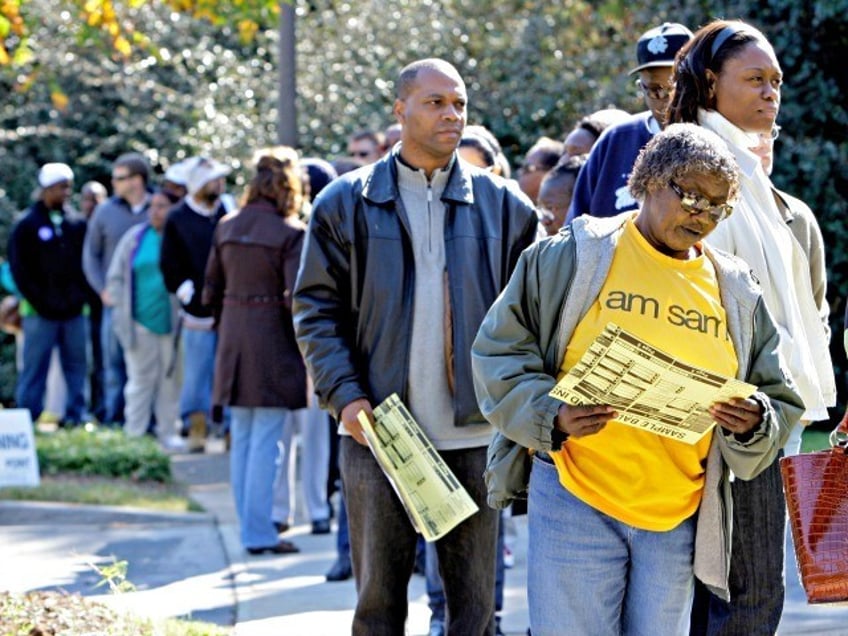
<point x="174" y="444"/>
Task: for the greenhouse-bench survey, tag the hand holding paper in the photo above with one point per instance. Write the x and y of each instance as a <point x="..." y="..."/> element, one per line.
<point x="737" y="415"/>
<point x="350" y="419"/>
<point x="579" y="421"/>
<point x="653" y="391"/>
<point x="431" y="494"/>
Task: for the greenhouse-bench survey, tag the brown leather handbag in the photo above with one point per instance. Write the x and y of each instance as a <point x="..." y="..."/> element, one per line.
<point x="816" y="489"/>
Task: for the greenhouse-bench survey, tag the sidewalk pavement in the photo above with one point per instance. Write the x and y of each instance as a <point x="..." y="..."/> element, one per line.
<point x="192" y="565"/>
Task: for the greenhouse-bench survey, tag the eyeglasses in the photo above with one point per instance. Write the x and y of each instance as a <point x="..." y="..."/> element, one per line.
<point x="696" y="203"/>
<point x="654" y="92"/>
<point x="122" y="177"/>
<point x="528" y="168"/>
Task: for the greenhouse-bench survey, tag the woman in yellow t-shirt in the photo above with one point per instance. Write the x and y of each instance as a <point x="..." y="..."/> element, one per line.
<point x="625" y="511"/>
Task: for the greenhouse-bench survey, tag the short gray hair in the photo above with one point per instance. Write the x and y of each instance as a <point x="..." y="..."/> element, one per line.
<point x="680" y="150"/>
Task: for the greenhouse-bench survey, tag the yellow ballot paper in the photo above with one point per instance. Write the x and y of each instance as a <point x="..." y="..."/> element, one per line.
<point x="649" y="388"/>
<point x="433" y="497"/>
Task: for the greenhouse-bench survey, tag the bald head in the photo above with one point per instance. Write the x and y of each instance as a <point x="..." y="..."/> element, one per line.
<point x="409" y="73"/>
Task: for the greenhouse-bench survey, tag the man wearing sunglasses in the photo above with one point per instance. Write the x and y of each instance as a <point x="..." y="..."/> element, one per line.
<point x="601" y="188"/>
<point x="109" y="221"/>
<point x="366" y="146"/>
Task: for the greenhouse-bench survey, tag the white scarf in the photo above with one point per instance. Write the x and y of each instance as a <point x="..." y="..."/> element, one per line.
<point x="757" y="232"/>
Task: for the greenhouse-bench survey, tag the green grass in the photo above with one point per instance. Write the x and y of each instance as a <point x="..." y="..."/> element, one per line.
<point x="105" y="491"/>
<point x="102" y="466"/>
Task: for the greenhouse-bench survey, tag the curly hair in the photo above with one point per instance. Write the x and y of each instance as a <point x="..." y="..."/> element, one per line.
<point x="680" y="150"/>
<point x="709" y="49"/>
<point x="277" y="180"/>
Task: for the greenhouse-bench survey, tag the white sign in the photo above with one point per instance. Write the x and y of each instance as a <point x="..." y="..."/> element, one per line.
<point x="18" y="459"/>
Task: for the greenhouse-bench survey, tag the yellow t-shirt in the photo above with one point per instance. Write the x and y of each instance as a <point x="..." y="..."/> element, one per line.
<point x="635" y="476"/>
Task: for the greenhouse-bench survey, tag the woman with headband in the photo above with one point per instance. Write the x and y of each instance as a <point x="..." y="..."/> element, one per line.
<point x="728" y="80"/>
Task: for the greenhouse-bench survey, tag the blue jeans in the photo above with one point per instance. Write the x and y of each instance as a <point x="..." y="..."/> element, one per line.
<point x="756" y="565"/>
<point x="198" y="368"/>
<point x="254" y="435"/>
<point x="40" y="336"/>
<point x="591" y="574"/>
<point x="343" y="534"/>
<point x="114" y="370"/>
<point x="383" y="542"/>
<point x="435" y="591"/>
<point x="311" y="425"/>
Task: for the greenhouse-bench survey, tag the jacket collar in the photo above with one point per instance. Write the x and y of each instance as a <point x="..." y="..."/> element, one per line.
<point x="381" y="184"/>
<point x="40" y="208"/>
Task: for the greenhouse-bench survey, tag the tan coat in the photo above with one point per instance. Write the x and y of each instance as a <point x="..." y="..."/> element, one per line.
<point x="249" y="277"/>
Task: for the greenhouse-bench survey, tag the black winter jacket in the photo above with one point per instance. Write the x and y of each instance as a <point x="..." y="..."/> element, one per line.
<point x="186" y="241"/>
<point x="353" y="299"/>
<point x="46" y="263"/>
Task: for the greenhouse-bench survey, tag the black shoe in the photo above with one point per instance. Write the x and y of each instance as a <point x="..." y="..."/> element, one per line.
<point x="322" y="526"/>
<point x="281" y="527"/>
<point x="283" y="547"/>
<point x="341" y="570"/>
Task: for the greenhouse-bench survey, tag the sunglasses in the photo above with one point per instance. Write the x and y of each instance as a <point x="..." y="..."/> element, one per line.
<point x="695" y="204"/>
<point x="654" y="92"/>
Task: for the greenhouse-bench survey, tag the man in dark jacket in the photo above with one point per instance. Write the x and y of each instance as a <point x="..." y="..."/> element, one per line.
<point x="401" y="262"/>
<point x="186" y="241"/>
<point x="45" y="256"/>
<point x="601" y="188"/>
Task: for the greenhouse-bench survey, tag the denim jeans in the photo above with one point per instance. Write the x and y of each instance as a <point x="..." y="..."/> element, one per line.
<point x="756" y="565"/>
<point x="310" y="425"/>
<point x="383" y="547"/>
<point x="114" y="370"/>
<point x="40" y="336"/>
<point x="254" y="435"/>
<point x="591" y="574"/>
<point x="343" y="533"/>
<point x="435" y="591"/>
<point x="198" y="368"/>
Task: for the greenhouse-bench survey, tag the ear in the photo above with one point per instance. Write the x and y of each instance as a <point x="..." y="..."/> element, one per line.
<point x="399" y="111"/>
<point x="711" y="83"/>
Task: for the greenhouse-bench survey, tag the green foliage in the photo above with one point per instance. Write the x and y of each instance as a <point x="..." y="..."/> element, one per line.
<point x="532" y="68"/>
<point x="100" y="451"/>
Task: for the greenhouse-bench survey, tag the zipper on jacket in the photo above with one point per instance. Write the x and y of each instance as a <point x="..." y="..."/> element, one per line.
<point x="429" y="216"/>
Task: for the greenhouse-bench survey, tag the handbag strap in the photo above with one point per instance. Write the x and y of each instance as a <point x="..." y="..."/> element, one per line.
<point x="839" y="435"/>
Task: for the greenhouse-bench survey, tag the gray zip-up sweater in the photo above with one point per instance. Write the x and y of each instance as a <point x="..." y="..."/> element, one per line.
<point x="522" y="341"/>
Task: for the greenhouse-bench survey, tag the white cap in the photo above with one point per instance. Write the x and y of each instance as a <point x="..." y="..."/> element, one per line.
<point x="178" y="172"/>
<point x="203" y="171"/>
<point x="53" y="173"/>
